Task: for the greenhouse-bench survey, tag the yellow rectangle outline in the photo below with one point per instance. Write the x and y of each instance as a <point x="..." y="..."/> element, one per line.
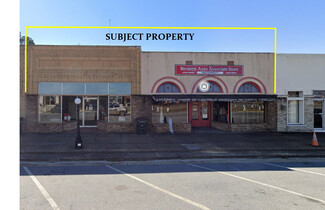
<point x="134" y="27"/>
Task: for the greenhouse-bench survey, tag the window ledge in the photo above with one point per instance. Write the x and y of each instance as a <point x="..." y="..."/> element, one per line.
<point x="291" y="125"/>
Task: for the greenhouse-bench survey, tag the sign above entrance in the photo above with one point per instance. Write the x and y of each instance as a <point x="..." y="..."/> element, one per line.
<point x="225" y="70"/>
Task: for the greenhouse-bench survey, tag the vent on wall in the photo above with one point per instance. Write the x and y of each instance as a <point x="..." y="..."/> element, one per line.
<point x="189" y="62"/>
<point x="230" y="63"/>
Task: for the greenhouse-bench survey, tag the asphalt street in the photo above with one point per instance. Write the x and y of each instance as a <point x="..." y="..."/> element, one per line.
<point x="175" y="184"/>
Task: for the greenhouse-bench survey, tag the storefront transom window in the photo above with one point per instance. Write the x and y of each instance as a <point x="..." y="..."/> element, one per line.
<point x="168" y="88"/>
<point x="214" y="88"/>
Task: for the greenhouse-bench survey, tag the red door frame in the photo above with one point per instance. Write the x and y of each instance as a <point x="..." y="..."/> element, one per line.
<point x="199" y="122"/>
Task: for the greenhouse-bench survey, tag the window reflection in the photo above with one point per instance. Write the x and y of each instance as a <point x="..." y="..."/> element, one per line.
<point x="248" y="112"/>
<point x="119" y="109"/>
<point x="50" y="109"/>
<point x="177" y="111"/>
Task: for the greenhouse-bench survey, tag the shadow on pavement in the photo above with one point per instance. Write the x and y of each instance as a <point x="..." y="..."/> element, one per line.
<point x="166" y="168"/>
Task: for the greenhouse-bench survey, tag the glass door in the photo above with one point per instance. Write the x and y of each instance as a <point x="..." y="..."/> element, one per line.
<point x="90" y="111"/>
<point x="319" y="114"/>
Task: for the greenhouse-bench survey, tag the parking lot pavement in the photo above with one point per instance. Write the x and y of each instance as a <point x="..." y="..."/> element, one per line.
<point x="179" y="184"/>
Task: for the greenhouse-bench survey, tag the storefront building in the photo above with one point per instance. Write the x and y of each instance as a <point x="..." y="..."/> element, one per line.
<point x="105" y="78"/>
<point x="118" y="84"/>
<point x="301" y="92"/>
<point x="228" y="91"/>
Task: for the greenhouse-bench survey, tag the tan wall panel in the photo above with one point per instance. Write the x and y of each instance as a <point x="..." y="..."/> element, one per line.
<point x="83" y="64"/>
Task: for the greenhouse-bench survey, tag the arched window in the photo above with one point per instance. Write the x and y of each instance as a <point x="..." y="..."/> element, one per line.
<point x="249" y="87"/>
<point x="168" y="87"/>
<point x="214" y="88"/>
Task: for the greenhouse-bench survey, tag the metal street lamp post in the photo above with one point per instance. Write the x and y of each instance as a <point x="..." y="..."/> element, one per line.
<point x="78" y="142"/>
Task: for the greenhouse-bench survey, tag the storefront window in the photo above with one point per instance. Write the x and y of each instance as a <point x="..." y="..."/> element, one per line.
<point x="295" y="107"/>
<point x="248" y="112"/>
<point x="119" y="109"/>
<point x="49" y="108"/>
<point x="220" y="111"/>
<point x="103" y="108"/>
<point x="177" y="111"/>
<point x="69" y="110"/>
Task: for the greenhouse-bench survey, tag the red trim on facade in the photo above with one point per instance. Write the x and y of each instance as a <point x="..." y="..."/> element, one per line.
<point x="265" y="91"/>
<point x="193" y="88"/>
<point x="179" y="89"/>
<point x="154" y="85"/>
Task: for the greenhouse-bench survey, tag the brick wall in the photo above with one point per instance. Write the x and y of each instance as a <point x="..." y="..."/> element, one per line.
<point x="308" y="125"/>
<point x="32" y="125"/>
<point x="140" y="107"/>
<point x="126" y="127"/>
<point x="271" y="115"/>
<point x="252" y="127"/>
<point x="48" y="63"/>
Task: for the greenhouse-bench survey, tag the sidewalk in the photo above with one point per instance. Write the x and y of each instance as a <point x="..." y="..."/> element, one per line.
<point x="128" y="147"/>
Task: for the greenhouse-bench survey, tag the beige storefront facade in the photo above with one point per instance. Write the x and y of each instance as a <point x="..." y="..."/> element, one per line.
<point x="236" y="101"/>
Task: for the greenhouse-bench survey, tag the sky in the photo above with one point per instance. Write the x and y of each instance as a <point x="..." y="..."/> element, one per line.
<point x="300" y="24"/>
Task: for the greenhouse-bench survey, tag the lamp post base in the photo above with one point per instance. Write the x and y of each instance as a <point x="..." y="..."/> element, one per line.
<point x="78" y="144"/>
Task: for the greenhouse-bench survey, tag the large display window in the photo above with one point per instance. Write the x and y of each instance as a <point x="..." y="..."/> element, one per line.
<point x="247" y="112"/>
<point x="177" y="111"/>
<point x="92" y="109"/>
<point x="50" y="109"/>
<point x="119" y="109"/>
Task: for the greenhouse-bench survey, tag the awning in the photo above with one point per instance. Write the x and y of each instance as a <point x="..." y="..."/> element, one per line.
<point x="223" y="97"/>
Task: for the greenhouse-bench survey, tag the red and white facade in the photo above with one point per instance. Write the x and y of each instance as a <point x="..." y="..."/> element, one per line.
<point x="233" y="79"/>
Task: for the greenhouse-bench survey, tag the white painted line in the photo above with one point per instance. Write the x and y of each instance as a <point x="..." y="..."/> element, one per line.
<point x="260" y="183"/>
<point x="294" y="169"/>
<point x="43" y="191"/>
<point x="161" y="189"/>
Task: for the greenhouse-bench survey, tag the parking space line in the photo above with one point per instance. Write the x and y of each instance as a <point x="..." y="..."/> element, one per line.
<point x="160" y="189"/>
<point x="294" y="169"/>
<point x="257" y="182"/>
<point x="41" y="188"/>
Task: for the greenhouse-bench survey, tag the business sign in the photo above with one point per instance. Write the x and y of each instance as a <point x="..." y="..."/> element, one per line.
<point x="226" y="70"/>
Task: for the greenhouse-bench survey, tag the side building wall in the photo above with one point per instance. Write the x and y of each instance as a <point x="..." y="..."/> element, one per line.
<point x="303" y="74"/>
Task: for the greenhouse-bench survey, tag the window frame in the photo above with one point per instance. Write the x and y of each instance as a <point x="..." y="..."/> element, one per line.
<point x="301" y="120"/>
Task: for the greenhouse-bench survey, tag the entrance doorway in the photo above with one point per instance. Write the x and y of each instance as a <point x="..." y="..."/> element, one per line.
<point x="199" y="113"/>
<point x="319" y="115"/>
<point x="89" y="111"/>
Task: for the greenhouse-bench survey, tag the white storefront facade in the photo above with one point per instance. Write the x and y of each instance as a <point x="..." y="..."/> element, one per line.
<point x="301" y="92"/>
